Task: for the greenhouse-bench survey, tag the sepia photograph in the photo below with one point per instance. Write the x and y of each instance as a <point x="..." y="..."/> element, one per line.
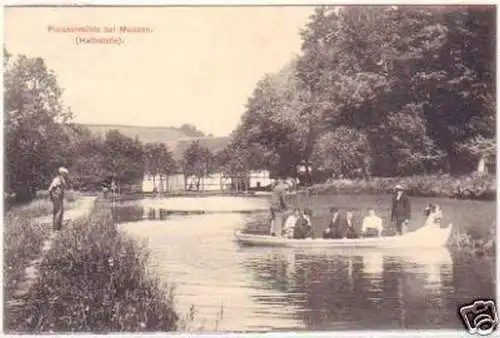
<point x="249" y="169"/>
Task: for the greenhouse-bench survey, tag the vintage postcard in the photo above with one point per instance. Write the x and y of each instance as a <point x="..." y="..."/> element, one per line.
<point x="250" y="169"/>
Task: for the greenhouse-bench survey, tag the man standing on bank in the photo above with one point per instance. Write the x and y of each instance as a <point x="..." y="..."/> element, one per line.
<point x="278" y="207"/>
<point x="56" y="193"/>
<point x="401" y="210"/>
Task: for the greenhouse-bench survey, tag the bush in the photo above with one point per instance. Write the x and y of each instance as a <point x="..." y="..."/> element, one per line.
<point x="95" y="280"/>
<point x="468" y="244"/>
<point x="480" y="187"/>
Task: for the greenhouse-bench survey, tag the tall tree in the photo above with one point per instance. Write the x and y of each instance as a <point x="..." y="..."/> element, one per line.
<point x="197" y="162"/>
<point x="123" y="157"/>
<point x="36" y="142"/>
<point x="281" y="120"/>
<point x="166" y="164"/>
<point x="373" y="67"/>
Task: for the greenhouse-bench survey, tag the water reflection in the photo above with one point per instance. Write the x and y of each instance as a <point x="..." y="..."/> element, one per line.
<point x="365" y="290"/>
<point x="271" y="289"/>
<point x="208" y="204"/>
<point x="134" y="212"/>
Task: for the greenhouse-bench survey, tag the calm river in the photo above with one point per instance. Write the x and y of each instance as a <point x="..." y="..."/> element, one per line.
<point x="238" y="288"/>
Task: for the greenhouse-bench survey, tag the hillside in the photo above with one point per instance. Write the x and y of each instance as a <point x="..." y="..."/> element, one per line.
<point x="145" y="134"/>
<point x="214" y="144"/>
<point x="176" y="140"/>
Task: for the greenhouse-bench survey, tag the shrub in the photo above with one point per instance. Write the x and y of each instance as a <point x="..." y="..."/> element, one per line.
<point x="481" y="187"/>
<point x="467" y="243"/>
<point x="95" y="280"/>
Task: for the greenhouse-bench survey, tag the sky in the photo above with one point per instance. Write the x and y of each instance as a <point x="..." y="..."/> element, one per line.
<point x="196" y="65"/>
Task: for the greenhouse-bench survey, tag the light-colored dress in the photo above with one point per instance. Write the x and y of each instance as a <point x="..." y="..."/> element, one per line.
<point x="434" y="219"/>
<point x="289" y="226"/>
<point x="373" y="222"/>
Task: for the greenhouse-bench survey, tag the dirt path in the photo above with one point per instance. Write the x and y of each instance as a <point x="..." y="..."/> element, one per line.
<point x="32" y="270"/>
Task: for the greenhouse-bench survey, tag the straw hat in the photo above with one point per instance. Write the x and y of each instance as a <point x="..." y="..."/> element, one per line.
<point x="399" y="187"/>
<point x="63" y="170"/>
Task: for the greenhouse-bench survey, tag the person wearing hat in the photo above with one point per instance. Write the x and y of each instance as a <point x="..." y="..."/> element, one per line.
<point x="401" y="210"/>
<point x="56" y="193"/>
<point x="278" y="207"/>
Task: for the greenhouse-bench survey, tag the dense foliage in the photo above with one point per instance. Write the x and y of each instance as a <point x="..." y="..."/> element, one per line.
<point x="40" y="137"/>
<point x="36" y="140"/>
<point x="383" y="91"/>
<point x="191" y="131"/>
<point x="375" y="91"/>
<point x="477" y="187"/>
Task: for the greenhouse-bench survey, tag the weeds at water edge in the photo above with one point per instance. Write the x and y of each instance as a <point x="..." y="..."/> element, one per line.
<point x="23" y="237"/>
<point x="187" y="323"/>
<point x="95" y="280"/>
<point x="464" y="243"/>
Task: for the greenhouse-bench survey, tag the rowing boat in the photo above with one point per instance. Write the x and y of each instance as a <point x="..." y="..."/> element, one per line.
<point x="424" y="237"/>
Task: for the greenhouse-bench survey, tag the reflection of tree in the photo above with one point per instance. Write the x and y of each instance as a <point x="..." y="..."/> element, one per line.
<point x="128" y="213"/>
<point x="135" y="213"/>
<point x="472" y="279"/>
<point x="335" y="291"/>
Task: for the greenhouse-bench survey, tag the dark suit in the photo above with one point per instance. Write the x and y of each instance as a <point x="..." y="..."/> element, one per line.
<point x="56" y="193"/>
<point x="401" y="211"/>
<point x="340" y="228"/>
<point x="278" y="207"/>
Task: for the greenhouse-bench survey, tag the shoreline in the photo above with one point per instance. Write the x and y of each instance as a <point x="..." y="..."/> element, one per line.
<point x="90" y="260"/>
<point x="465" y="187"/>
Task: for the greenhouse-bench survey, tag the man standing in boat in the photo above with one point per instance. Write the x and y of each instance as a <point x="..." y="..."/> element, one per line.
<point x="401" y="210"/>
<point x="278" y="206"/>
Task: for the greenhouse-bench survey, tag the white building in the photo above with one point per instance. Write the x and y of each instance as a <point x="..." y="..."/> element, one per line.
<point x="212" y="182"/>
<point x="166" y="183"/>
<point x="260" y="178"/>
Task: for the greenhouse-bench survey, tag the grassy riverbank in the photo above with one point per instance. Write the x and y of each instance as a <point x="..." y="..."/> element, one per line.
<point x="95" y="279"/>
<point x="23" y="236"/>
<point x="478" y="187"/>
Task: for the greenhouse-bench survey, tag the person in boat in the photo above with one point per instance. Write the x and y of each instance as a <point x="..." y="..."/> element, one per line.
<point x="349" y="231"/>
<point x="372" y="224"/>
<point x="290" y="224"/>
<point x="308" y="215"/>
<point x="401" y="210"/>
<point x="336" y="225"/>
<point x="303" y="226"/>
<point x="340" y="226"/>
<point x="434" y="215"/>
<point x="278" y="206"/>
<point x="331" y="231"/>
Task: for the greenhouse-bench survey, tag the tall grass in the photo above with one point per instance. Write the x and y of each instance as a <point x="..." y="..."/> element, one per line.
<point x="22" y="242"/>
<point x="23" y="237"/>
<point x="95" y="279"/>
<point x="42" y="206"/>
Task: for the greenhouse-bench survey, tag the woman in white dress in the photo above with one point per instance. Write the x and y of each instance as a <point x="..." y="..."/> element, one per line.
<point x="434" y="215"/>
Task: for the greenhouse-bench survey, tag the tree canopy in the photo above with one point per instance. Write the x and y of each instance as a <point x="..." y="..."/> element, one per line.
<point x="385" y="90"/>
<point x="40" y="137"/>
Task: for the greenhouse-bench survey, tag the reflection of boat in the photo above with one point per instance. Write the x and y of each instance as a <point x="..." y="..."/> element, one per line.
<point x="388" y="286"/>
<point x="424" y="237"/>
<point x="373" y="263"/>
